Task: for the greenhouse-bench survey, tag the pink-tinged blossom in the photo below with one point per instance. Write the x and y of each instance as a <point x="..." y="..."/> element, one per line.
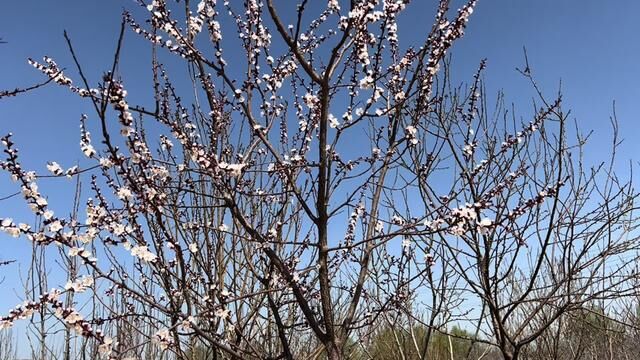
<point x="106" y="346"/>
<point x="222" y="313"/>
<point x="163" y="338"/>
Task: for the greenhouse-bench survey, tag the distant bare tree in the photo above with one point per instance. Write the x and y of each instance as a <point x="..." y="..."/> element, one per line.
<point x="8" y="349"/>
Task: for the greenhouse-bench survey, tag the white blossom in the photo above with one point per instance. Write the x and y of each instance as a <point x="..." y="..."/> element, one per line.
<point x="74" y="251"/>
<point x="106" y="163"/>
<point x="222" y="313"/>
<point x="163" y="338"/>
<point x="379" y="226"/>
<point x="124" y="193"/>
<point x="310" y="100"/>
<point x="79" y="285"/>
<point x="87" y="149"/>
<point x="143" y="253"/>
<point x="105" y="347"/>
<point x="410" y="134"/>
<point x="55" y="226"/>
<point x="55" y="168"/>
<point x="233" y="169"/>
<point x="333" y="122"/>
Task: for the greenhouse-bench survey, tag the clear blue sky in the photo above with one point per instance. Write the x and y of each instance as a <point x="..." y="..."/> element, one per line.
<point x="591" y="45"/>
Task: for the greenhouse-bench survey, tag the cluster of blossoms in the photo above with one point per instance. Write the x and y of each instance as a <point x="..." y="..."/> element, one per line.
<point x="37" y="202"/>
<point x="79" y="251"/>
<point x="194" y="25"/>
<point x="8" y="226"/>
<point x="234" y="170"/>
<point x="68" y="315"/>
<point x="117" y="95"/>
<point x="548" y="192"/>
<point x="532" y="127"/>
<point x="472" y="108"/>
<point x="461" y="219"/>
<point x="504" y="184"/>
<point x="177" y="40"/>
<point x="85" y="140"/>
<point x="447" y="33"/>
<point x="357" y="213"/>
<point x="253" y="28"/>
<point x="469" y="149"/>
<point x="51" y="70"/>
<point x="282" y="71"/>
<point x="361" y="17"/>
<point x="52" y="231"/>
<point x="188" y="322"/>
<point x="97" y="215"/>
<point x="391" y="9"/>
<point x="333" y="121"/>
<point x="205" y="8"/>
<point x="142" y="252"/>
<point x="167" y="26"/>
<point x="206" y="160"/>
<point x="368" y="81"/>
<point x="214" y="306"/>
<point x="512" y="140"/>
<point x="80" y="284"/>
<point x="306" y="124"/>
<point x="56" y="170"/>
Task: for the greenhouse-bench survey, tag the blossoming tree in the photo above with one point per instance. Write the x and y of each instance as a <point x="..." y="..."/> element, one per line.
<point x="325" y="185"/>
